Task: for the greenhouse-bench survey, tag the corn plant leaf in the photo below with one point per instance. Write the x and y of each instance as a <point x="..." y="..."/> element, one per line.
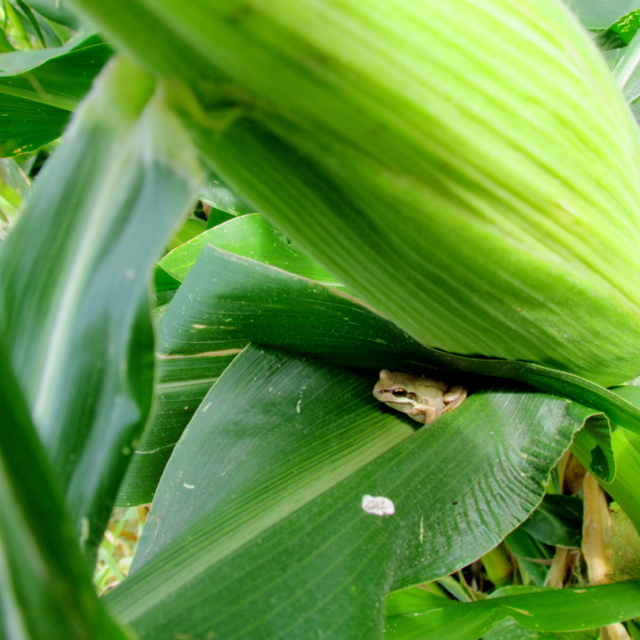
<point x="594" y="447"/>
<point x="597" y="15"/>
<point x="165" y="286"/>
<point x="626" y="71"/>
<point x="211" y="318"/>
<point x="626" y="449"/>
<point x="358" y="337"/>
<point x="532" y="554"/>
<point x="183" y="381"/>
<point x="45" y="586"/>
<point x="543" y="610"/>
<point x="39" y="89"/>
<point x="217" y="194"/>
<point x="258" y="528"/>
<point x="349" y="126"/>
<point x="181" y="384"/>
<point x="620" y="33"/>
<point x="58" y="11"/>
<point x="250" y="236"/>
<point x="509" y="629"/>
<point x="557" y="521"/>
<point x="74" y="301"/>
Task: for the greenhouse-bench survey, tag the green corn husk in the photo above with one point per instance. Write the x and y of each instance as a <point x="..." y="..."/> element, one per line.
<point x="469" y="168"/>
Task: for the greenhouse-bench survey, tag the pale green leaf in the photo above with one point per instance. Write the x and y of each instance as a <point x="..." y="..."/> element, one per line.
<point x="74" y="300"/>
<point x="599" y="14"/>
<point x="548" y="610"/>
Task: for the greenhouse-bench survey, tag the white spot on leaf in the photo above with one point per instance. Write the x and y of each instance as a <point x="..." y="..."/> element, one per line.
<point x="378" y="505"/>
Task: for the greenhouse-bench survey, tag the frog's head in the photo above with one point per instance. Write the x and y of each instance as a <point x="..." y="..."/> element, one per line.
<point x="395" y="389"/>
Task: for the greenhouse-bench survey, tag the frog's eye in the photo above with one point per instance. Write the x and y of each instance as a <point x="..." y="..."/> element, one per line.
<point x="399" y="393"/>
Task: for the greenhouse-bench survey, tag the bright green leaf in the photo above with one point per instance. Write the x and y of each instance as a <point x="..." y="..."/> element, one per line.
<point x="620" y="33"/>
<point x="545" y="610"/>
<point x="250" y="236"/>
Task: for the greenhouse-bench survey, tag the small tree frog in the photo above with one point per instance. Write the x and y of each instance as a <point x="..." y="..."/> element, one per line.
<point x="423" y="399"/>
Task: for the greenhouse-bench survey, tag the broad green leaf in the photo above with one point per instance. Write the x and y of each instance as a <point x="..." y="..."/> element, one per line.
<point x="250" y="236"/>
<point x="350" y="126"/>
<point x="217" y="216"/>
<point x="258" y="530"/>
<point x="548" y="610"/>
<point x="209" y="314"/>
<point x="39" y="90"/>
<point x="32" y="21"/>
<point x="45" y="587"/>
<point x="135" y="28"/>
<point x="180" y="387"/>
<point x="594" y="447"/>
<point x="74" y="273"/>
<point x="626" y="72"/>
<point x="509" y="629"/>
<point x="183" y="382"/>
<point x="165" y="286"/>
<point x="410" y="600"/>
<point x="213" y="317"/>
<point x="191" y="228"/>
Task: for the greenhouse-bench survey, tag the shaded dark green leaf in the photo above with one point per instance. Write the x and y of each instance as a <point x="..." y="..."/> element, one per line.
<point x="45" y="586"/>
<point x="39" y="90"/>
<point x="534" y="556"/>
<point x="557" y="521"/>
<point x="228" y="301"/>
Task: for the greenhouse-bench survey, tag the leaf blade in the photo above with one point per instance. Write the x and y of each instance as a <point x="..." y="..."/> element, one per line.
<point x="75" y="305"/>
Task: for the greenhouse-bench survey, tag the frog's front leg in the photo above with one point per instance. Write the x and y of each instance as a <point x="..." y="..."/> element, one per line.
<point x="424" y="413"/>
